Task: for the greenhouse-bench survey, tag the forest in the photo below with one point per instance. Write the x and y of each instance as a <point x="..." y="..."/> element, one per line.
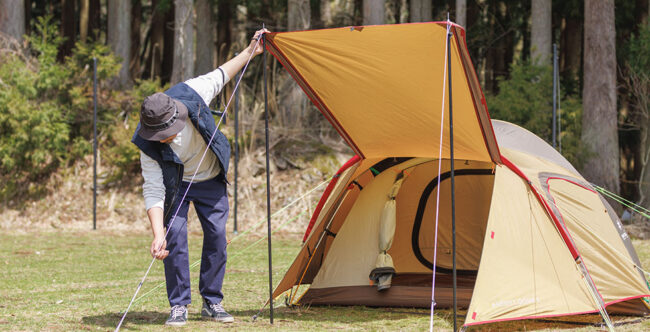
<point x="47" y="50"/>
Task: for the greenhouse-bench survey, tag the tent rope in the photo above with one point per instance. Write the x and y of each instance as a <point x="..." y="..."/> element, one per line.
<point x="171" y="222"/>
<point x="633" y="206"/>
<point x="435" y="241"/>
<point x="261" y="221"/>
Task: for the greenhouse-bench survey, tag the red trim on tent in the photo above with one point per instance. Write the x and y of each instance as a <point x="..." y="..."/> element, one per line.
<point x="482" y="101"/>
<point x="556" y="315"/>
<point x="567" y="180"/>
<point x="565" y="236"/>
<point x="327" y="193"/>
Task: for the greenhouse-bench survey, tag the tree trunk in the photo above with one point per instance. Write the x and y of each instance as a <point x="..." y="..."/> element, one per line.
<point x="461" y="13"/>
<point x="374" y="12"/>
<point x="184" y="35"/>
<point x="644" y="160"/>
<point x="599" y="119"/>
<point x="119" y="37"/>
<point x="540" y="51"/>
<point x="326" y="13"/>
<point x="572" y="48"/>
<point x="420" y="11"/>
<point x="12" y="19"/>
<point x="84" y="16"/>
<point x="136" y="22"/>
<point x="224" y="30"/>
<point x="67" y="28"/>
<point x="94" y="20"/>
<point x="204" y="37"/>
<point x="169" y="42"/>
<point x="299" y="15"/>
<point x="153" y="60"/>
<point x="293" y="100"/>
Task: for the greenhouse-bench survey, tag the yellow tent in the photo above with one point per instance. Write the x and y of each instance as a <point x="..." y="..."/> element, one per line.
<point x="533" y="238"/>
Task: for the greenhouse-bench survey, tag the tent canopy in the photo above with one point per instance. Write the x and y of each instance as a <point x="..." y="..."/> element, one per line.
<point x="382" y="87"/>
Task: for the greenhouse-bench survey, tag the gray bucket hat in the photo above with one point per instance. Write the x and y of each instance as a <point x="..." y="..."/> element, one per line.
<point x="161" y="116"/>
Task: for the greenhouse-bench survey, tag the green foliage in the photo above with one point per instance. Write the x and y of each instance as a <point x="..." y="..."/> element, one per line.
<point x="637" y="51"/>
<point x="46" y="110"/>
<point x="526" y="99"/>
<point x="120" y="152"/>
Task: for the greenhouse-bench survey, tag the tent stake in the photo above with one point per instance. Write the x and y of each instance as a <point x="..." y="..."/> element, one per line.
<point x="268" y="182"/>
<point x="453" y="194"/>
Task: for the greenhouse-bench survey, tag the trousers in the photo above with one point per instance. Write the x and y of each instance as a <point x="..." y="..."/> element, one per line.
<point x="211" y="204"/>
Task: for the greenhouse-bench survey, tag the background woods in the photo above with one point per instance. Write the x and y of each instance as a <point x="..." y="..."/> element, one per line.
<point x="46" y="51"/>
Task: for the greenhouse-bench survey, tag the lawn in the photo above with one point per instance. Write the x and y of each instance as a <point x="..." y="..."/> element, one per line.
<point x="82" y="280"/>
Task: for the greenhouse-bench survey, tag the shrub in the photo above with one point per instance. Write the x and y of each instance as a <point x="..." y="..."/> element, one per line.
<point x="46" y="113"/>
<point x="526" y="99"/>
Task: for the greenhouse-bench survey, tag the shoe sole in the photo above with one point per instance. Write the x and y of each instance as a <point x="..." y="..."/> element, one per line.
<point x="175" y="324"/>
<point x="220" y="320"/>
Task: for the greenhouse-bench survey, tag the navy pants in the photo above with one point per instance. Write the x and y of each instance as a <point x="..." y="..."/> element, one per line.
<point x="211" y="204"/>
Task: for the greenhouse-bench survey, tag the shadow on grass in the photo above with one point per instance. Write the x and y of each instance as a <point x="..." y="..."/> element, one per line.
<point x="133" y="318"/>
<point x="339" y="314"/>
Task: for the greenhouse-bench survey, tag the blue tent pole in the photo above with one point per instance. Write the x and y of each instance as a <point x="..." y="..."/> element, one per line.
<point x="268" y="181"/>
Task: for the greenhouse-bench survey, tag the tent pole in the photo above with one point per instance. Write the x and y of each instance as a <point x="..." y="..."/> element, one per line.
<point x="268" y="182"/>
<point x="554" y="95"/>
<point x="94" y="143"/>
<point x="453" y="194"/>
<point x="236" y="154"/>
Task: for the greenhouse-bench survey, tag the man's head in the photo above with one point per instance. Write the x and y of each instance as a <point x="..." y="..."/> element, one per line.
<point x="161" y="117"/>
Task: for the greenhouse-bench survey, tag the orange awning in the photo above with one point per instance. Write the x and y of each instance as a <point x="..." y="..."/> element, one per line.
<point x="382" y="88"/>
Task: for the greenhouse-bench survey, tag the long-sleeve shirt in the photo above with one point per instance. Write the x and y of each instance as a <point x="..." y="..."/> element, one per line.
<point x="188" y="146"/>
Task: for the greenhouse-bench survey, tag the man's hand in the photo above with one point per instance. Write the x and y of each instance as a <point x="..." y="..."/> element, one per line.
<point x="252" y="48"/>
<point x="158" y="250"/>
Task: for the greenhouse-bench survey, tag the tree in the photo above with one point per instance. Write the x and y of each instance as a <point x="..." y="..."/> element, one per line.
<point x="540" y="52"/>
<point x="136" y="22"/>
<point x="224" y="31"/>
<point x="119" y="37"/>
<point x="461" y="13"/>
<point x="68" y="31"/>
<point x="637" y="79"/>
<point x="204" y="37"/>
<point x="294" y="102"/>
<point x="599" y="121"/>
<point x="374" y="12"/>
<point x="184" y="35"/>
<point x="420" y="11"/>
<point x="299" y="15"/>
<point x="12" y="19"/>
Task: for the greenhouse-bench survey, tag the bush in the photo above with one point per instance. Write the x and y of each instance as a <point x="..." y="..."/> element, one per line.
<point x="46" y="110"/>
<point x="526" y="99"/>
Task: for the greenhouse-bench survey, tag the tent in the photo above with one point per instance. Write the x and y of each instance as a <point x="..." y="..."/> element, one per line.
<point x="533" y="238"/>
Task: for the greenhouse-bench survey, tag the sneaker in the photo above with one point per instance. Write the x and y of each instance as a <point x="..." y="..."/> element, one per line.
<point x="178" y="316"/>
<point x="215" y="312"/>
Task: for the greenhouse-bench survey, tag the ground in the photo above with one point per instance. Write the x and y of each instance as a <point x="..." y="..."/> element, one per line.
<point x="82" y="280"/>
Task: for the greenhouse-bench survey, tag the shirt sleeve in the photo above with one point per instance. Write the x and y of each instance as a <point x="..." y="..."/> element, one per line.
<point x="153" y="188"/>
<point x="209" y="85"/>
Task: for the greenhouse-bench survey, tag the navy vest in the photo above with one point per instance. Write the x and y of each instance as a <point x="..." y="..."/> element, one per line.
<point x="172" y="167"/>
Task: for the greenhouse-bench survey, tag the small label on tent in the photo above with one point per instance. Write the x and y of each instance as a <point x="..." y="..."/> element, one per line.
<point x="474" y="315"/>
<point x="492" y="235"/>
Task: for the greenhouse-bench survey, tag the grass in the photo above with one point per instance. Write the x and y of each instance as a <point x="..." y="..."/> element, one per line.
<point x="71" y="281"/>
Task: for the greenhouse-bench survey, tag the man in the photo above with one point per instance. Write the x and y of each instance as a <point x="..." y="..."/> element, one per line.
<point x="173" y="134"/>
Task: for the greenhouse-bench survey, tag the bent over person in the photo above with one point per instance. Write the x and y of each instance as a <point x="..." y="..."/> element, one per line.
<point x="173" y="134"/>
